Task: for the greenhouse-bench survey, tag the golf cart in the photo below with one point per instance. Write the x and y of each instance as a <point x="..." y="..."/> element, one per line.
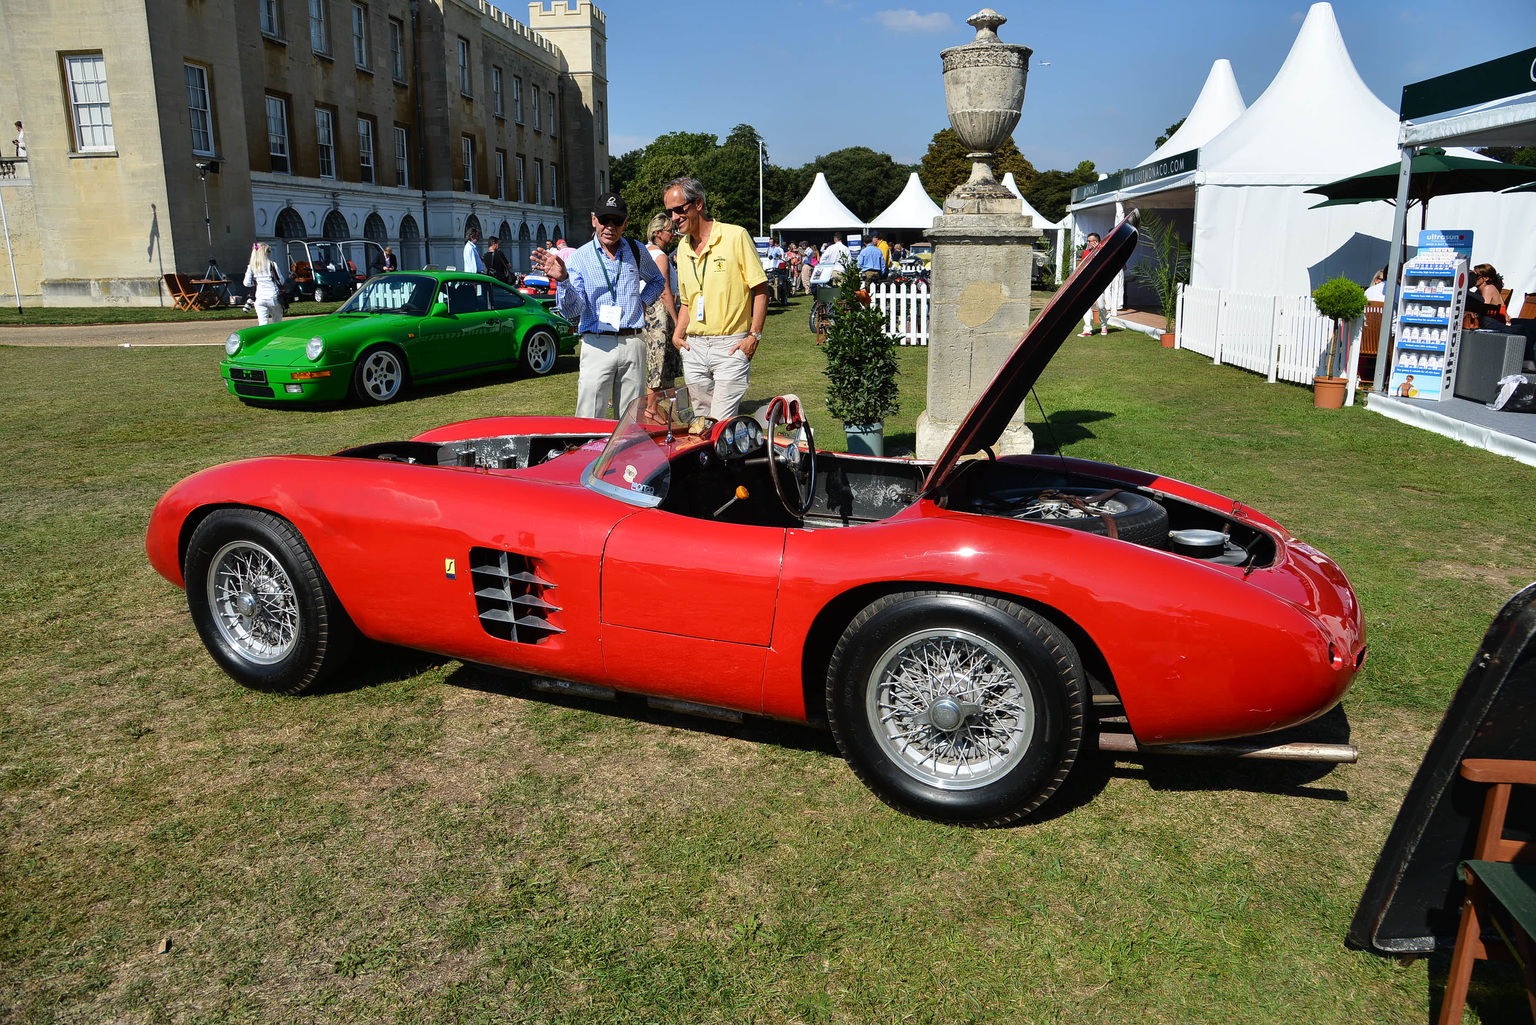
<point x="325" y="270"/>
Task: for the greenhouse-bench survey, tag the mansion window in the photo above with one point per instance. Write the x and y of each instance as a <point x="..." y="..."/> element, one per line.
<point x="199" y="110"/>
<point x="89" y="104"/>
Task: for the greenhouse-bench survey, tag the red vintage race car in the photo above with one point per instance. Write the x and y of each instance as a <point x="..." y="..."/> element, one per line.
<point x="954" y="623"/>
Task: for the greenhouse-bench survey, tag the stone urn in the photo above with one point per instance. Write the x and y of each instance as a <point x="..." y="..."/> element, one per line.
<point x="983" y="94"/>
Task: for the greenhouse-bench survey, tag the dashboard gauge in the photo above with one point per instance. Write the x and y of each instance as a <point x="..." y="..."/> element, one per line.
<point x="741" y="437"/>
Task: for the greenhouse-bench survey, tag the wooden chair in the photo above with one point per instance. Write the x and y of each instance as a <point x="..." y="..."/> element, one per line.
<point x="186" y="295"/>
<point x="1501" y="889"/>
<point x="1528" y="308"/>
<point x="1370" y="341"/>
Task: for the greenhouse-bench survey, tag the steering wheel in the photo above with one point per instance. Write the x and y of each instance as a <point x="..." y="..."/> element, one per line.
<point x="792" y="464"/>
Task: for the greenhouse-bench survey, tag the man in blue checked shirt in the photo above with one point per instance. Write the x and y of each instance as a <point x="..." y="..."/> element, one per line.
<point x="604" y="289"/>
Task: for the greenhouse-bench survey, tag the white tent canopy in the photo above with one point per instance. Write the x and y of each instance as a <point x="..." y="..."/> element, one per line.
<point x="912" y="209"/>
<point x="1041" y="221"/>
<point x="1253" y="229"/>
<point x="1219" y="104"/>
<point x="820" y="210"/>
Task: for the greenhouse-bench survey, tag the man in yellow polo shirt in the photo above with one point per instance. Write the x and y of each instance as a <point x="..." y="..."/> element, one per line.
<point x="724" y="301"/>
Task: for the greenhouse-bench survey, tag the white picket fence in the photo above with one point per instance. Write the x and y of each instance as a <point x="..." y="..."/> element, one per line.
<point x="905" y="306"/>
<point x="1279" y="336"/>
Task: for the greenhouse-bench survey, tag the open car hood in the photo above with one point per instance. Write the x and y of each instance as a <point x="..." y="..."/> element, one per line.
<point x="995" y="406"/>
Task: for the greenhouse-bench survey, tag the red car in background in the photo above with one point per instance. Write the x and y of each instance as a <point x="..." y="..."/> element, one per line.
<point x="955" y="623"/>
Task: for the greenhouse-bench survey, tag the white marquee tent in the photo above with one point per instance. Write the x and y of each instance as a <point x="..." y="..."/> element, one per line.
<point x="820" y="210"/>
<point x="1058" y="229"/>
<point x="912" y="209"/>
<point x="1252" y="227"/>
<point x="1219" y="104"/>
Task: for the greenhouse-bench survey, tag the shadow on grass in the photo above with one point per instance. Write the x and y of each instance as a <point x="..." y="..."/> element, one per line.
<point x="754" y="729"/>
<point x="1063" y="428"/>
<point x="374" y="664"/>
<point x="1262" y="776"/>
<point x="564" y="365"/>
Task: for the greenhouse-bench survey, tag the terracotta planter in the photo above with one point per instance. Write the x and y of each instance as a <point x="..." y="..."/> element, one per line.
<point x="1167" y="338"/>
<point x="1328" y="392"/>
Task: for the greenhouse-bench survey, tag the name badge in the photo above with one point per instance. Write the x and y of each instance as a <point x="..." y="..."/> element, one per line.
<point x="608" y="315"/>
<point x="698" y="307"/>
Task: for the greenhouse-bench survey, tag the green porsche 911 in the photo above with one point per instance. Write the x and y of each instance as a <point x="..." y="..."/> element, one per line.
<point x="399" y="329"/>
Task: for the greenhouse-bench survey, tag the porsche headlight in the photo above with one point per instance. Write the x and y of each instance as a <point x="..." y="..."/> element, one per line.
<point x="232" y="344"/>
<point x="315" y="349"/>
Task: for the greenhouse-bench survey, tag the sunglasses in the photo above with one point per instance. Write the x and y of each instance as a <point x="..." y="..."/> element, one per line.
<point x="612" y="221"/>
<point x="680" y="209"/>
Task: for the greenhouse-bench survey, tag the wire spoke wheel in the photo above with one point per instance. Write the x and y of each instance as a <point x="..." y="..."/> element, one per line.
<point x="255" y="605"/>
<point x="950" y="709"/>
<point x="261" y="604"/>
<point x="957" y="707"/>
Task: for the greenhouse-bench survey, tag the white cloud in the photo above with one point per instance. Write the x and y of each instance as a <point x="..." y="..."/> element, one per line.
<point x="911" y="21"/>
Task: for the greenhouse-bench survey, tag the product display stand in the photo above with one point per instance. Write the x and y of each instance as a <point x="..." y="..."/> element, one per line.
<point x="1434" y="296"/>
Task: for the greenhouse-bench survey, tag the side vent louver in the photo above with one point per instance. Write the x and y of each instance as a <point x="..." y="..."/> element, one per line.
<point x="512" y="599"/>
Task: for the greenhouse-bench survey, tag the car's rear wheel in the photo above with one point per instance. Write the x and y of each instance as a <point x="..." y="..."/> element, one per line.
<point x="540" y="350"/>
<point x="261" y="604"/>
<point x="379" y="376"/>
<point x="957" y="707"/>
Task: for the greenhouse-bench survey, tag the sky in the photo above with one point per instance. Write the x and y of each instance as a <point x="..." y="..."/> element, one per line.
<point x="1106" y="77"/>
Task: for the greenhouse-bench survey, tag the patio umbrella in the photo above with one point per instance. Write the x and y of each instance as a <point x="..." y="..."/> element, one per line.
<point x="1432" y="174"/>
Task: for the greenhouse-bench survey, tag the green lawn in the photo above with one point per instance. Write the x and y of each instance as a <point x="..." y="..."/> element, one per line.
<point x="427" y="843"/>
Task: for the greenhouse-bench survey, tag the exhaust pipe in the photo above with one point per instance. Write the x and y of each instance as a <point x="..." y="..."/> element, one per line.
<point x="1124" y="743"/>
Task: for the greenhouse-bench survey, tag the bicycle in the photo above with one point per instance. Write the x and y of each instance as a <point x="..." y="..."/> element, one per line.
<point x="821" y="320"/>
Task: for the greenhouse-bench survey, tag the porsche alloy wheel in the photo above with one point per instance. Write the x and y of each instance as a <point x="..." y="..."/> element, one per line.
<point x="539" y="353"/>
<point x="261" y="604"/>
<point x="379" y="377"/>
<point x="956" y="707"/>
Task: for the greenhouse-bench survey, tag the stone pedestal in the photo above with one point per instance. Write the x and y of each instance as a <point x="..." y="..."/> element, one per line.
<point x="978" y="307"/>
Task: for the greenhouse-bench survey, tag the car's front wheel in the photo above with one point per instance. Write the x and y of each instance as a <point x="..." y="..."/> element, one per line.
<point x="957" y="707"/>
<point x="540" y="350"/>
<point x="261" y="604"/>
<point x="379" y="376"/>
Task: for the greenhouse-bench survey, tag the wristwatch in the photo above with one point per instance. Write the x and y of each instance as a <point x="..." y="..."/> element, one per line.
<point x="755" y="334"/>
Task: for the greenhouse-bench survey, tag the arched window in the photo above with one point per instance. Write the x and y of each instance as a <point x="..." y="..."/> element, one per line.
<point x="289" y="223"/>
<point x="373" y="228"/>
<point x="471" y="223"/>
<point x="411" y="255"/>
<point x="336" y="226"/>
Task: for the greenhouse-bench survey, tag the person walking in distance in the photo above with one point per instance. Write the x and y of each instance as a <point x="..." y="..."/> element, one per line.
<point x="723" y="301"/>
<point x="262" y="275"/>
<point x="473" y="264"/>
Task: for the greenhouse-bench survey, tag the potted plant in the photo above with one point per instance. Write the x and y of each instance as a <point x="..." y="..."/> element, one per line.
<point x="1340" y="300"/>
<point x="861" y="367"/>
<point x="1164" y="269"/>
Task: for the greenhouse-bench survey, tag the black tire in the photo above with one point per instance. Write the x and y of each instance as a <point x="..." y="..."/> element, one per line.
<point x="540" y="351"/>
<point x="261" y="604"/>
<point x="379" y="376"/>
<point x="1138" y="519"/>
<point x="908" y="710"/>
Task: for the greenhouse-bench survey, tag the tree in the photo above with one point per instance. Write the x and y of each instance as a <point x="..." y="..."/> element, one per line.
<point x="1510" y="154"/>
<point x="1051" y="191"/>
<point x="642" y="193"/>
<point x="730" y="175"/>
<point x="865" y="180"/>
<point x="683" y="144"/>
<point x="622" y="169"/>
<point x="946" y="165"/>
<point x="1168" y="132"/>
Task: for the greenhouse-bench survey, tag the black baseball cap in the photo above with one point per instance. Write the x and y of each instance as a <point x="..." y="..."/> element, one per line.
<point x="610" y="203"/>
